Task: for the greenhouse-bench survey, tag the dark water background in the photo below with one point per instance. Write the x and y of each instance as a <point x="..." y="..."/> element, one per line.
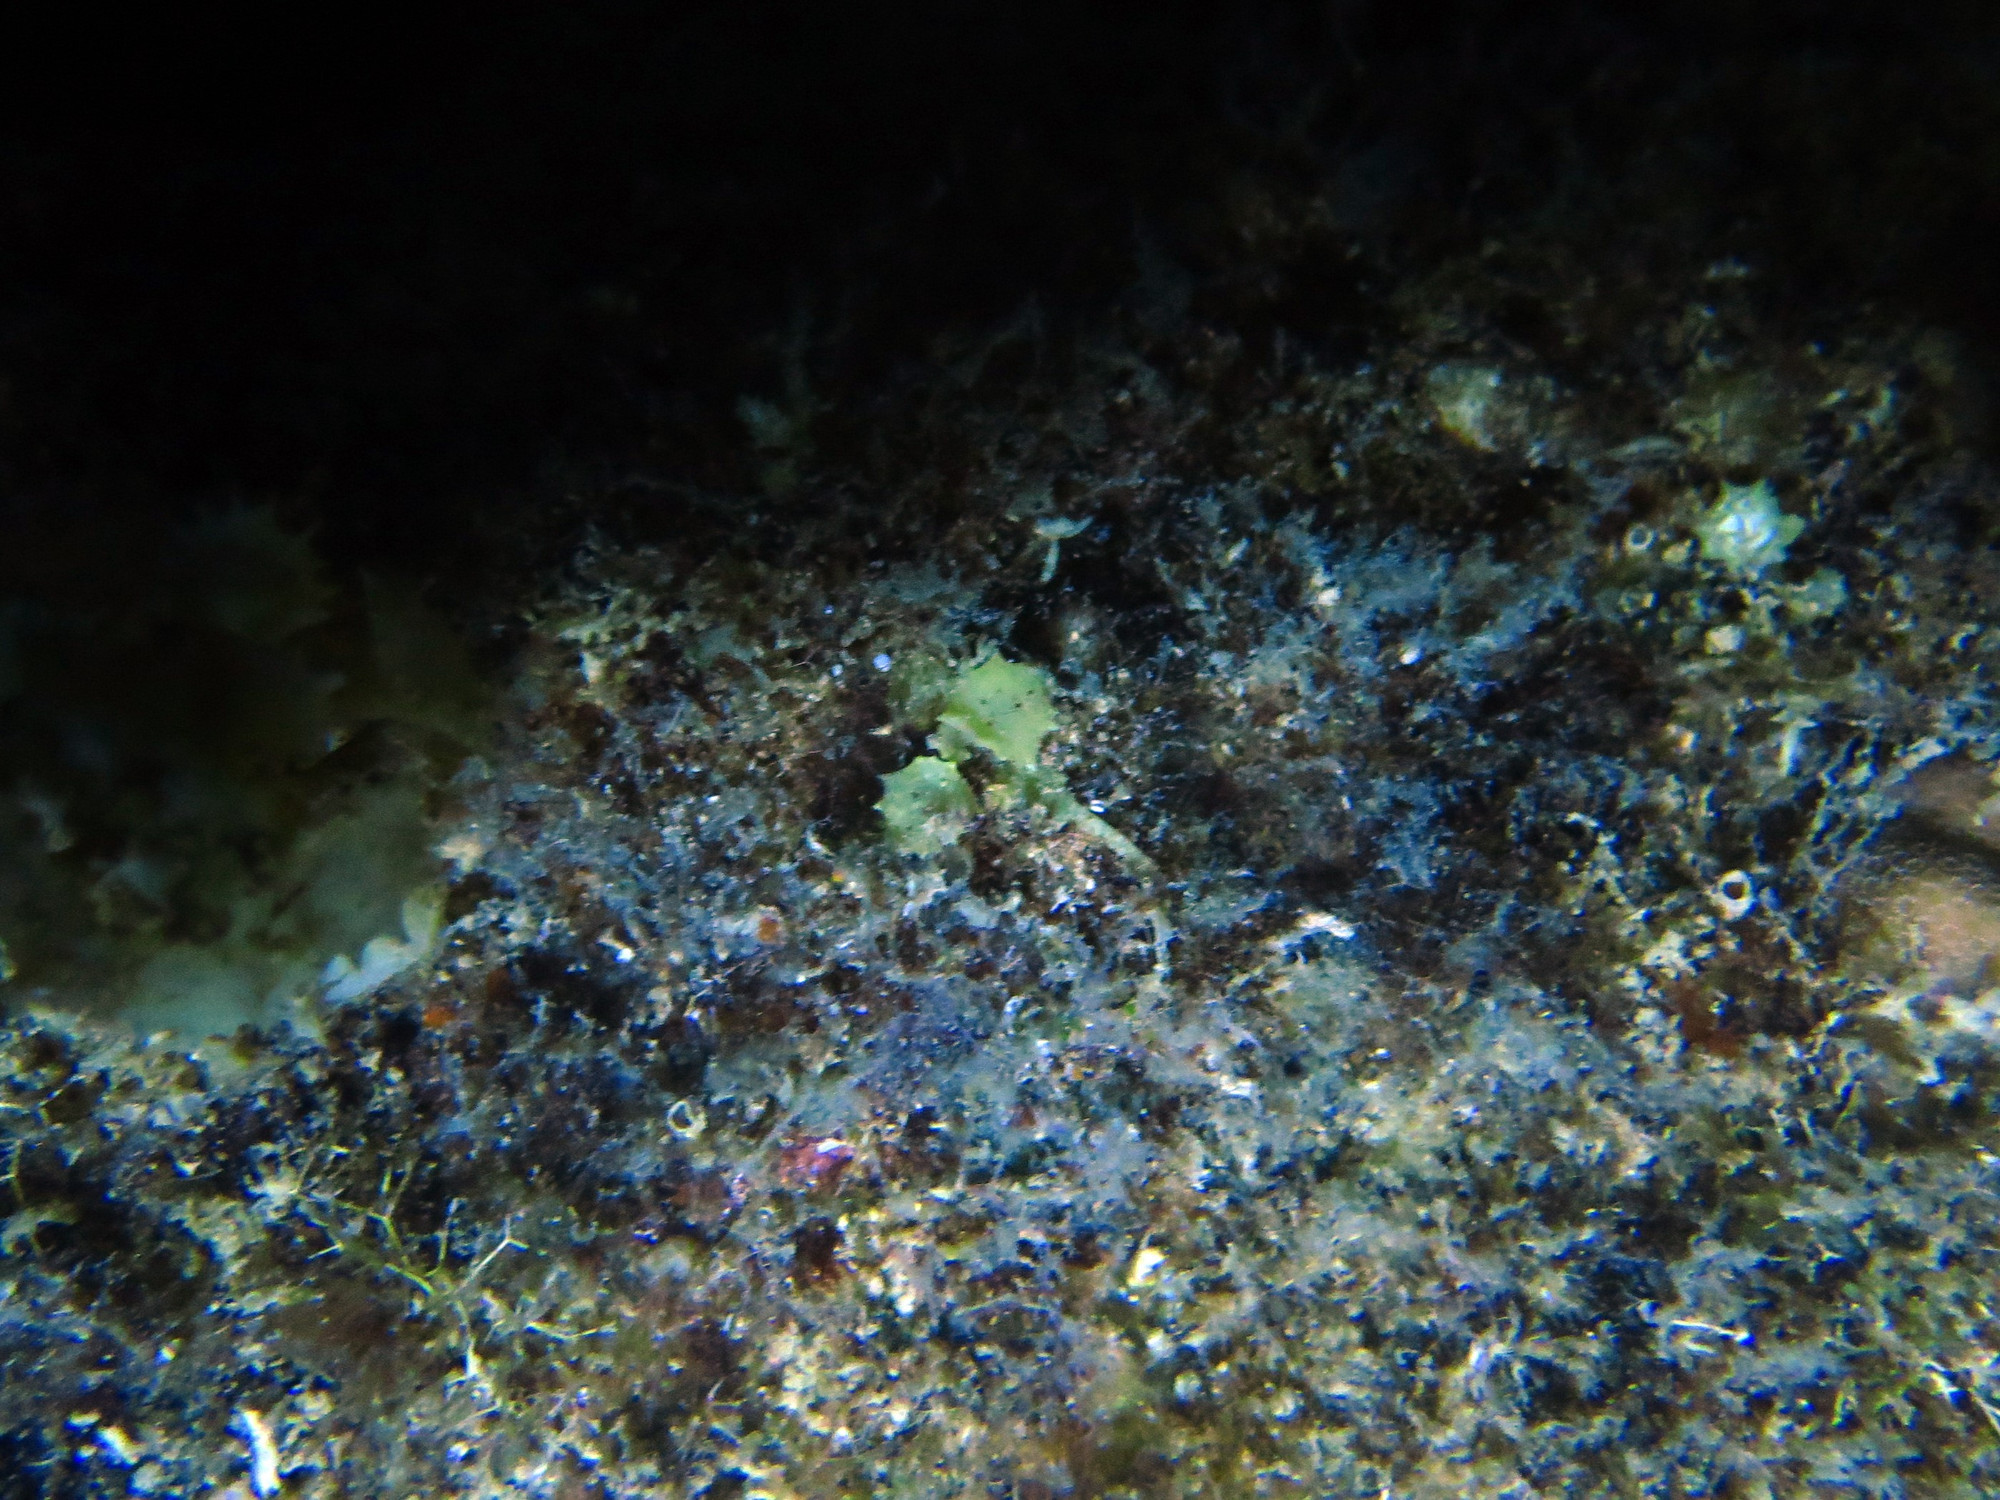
<point x="409" y="279"/>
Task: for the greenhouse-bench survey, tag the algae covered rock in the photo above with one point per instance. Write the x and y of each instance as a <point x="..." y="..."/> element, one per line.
<point x="1346" y="846"/>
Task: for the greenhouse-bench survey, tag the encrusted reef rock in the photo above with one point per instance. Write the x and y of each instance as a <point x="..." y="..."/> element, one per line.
<point x="1151" y="908"/>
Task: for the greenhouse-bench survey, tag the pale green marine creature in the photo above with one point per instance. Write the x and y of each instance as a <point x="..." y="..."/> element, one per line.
<point x="926" y="805"/>
<point x="1003" y="708"/>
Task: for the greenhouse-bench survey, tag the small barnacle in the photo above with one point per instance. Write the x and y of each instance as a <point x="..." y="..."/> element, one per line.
<point x="686" y="1120"/>
<point x="1745" y="531"/>
<point x="1734" y="894"/>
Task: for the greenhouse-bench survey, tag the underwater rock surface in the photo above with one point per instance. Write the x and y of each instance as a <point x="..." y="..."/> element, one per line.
<point x="1147" y="908"/>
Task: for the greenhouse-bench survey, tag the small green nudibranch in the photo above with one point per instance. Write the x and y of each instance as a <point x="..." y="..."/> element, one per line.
<point x="999" y="706"/>
<point x="1003" y="708"/>
<point x="926" y="805"/>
